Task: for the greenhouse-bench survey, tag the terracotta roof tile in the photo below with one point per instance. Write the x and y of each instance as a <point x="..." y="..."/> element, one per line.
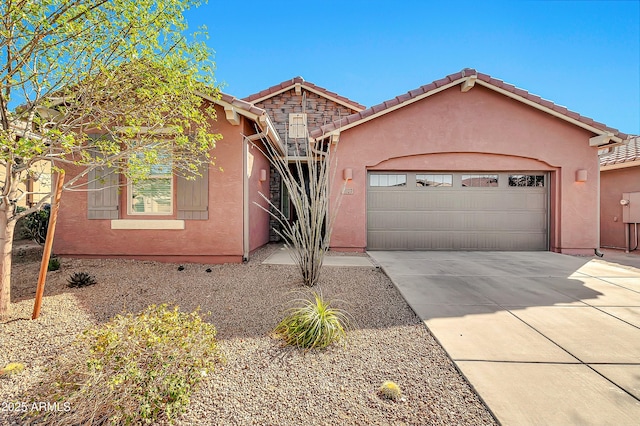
<point x="391" y="103"/>
<point x="367" y="112"/>
<point x="623" y="153"/>
<point x="572" y="114"/>
<point x="273" y="90"/>
<point x="520" y="92"/>
<point x="239" y="103"/>
<point x="409" y="96"/>
<point x="442" y="82"/>
<point x="560" y="109"/>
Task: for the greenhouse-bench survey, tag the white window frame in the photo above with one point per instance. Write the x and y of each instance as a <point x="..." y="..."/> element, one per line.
<point x="130" y="185"/>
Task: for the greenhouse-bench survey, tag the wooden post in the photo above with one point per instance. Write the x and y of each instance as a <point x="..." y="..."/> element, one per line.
<point x="44" y="265"/>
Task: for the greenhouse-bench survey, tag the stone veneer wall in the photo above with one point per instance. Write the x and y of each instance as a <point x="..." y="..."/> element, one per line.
<point x="319" y="110"/>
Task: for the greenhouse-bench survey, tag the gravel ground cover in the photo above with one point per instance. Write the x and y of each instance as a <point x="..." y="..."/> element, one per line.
<point x="262" y="382"/>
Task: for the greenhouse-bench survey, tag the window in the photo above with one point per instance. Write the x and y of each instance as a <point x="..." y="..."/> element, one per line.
<point x="297" y="126"/>
<point x="526" y="180"/>
<point x="483" y="181"/>
<point x="388" y="180"/>
<point x="153" y="195"/>
<point x="434" y="180"/>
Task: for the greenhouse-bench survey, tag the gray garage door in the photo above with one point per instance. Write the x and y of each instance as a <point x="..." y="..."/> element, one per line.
<point x="457" y="211"/>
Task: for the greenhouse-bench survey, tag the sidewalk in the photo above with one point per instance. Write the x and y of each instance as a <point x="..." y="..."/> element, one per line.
<point x="283" y="257"/>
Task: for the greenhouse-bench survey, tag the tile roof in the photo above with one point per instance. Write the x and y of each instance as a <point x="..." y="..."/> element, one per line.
<point x="242" y="104"/>
<point x="623" y="153"/>
<point x="287" y="85"/>
<point x="467" y="72"/>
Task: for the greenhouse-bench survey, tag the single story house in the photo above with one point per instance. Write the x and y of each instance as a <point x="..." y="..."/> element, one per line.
<point x="213" y="219"/>
<point x="619" y="178"/>
<point x="467" y="162"/>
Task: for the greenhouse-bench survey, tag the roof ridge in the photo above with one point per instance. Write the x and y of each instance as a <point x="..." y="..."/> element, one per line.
<point x="465" y="72"/>
<point x="275" y="89"/>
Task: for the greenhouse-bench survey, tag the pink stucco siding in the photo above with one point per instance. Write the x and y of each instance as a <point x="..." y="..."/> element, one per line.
<point x="479" y="130"/>
<point x="216" y="240"/>
<point x="613" y="183"/>
<point x="259" y="223"/>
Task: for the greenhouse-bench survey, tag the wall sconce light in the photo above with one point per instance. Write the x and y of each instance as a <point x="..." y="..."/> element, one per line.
<point x="263" y="175"/>
<point x="347" y="174"/>
<point x="581" y="175"/>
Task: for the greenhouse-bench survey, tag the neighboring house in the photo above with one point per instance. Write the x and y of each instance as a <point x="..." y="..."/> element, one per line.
<point x="619" y="174"/>
<point x="468" y="162"/>
<point x="212" y="219"/>
<point x="36" y="186"/>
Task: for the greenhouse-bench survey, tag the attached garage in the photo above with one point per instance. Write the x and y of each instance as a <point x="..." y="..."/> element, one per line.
<point x="457" y="211"/>
<point x="467" y="162"/>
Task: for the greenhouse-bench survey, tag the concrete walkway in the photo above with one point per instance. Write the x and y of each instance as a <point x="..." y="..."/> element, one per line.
<point x="544" y="338"/>
<point x="283" y="257"/>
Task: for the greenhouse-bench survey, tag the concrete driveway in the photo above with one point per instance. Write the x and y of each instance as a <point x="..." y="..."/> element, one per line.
<point x="544" y="338"/>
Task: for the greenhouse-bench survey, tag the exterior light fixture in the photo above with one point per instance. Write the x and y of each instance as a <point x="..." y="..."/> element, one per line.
<point x="347" y="174"/>
<point x="581" y="175"/>
<point x="263" y="175"/>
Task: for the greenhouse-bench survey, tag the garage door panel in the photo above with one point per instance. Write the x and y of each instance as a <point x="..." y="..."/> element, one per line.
<point x="457" y="218"/>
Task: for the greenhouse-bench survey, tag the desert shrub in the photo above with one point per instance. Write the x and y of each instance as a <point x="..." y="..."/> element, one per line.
<point x="12" y="368"/>
<point x="313" y="324"/>
<point x="80" y="279"/>
<point x="36" y="224"/>
<point x="390" y="390"/>
<point x="134" y="369"/>
<point x="54" y="264"/>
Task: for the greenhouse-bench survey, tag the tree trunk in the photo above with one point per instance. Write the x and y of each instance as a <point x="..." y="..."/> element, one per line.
<point x="6" y="246"/>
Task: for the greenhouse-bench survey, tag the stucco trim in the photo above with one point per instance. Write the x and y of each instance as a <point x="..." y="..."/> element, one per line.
<point x="147" y="224"/>
<point x="542" y="165"/>
<point x="635" y="163"/>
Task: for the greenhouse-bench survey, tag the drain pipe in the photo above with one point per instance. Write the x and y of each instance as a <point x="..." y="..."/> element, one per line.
<point x="245" y="200"/>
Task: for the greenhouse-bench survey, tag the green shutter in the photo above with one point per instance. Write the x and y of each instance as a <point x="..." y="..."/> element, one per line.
<point x="193" y="196"/>
<point x="103" y="196"/>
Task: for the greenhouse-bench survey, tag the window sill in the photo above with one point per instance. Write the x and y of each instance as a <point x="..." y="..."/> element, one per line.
<point x="146" y="224"/>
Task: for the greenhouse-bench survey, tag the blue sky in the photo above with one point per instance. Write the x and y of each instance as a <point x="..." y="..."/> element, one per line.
<point x="584" y="55"/>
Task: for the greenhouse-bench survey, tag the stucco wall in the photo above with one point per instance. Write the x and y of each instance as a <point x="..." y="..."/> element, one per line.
<point x="259" y="218"/>
<point x="218" y="239"/>
<point x="613" y="183"/>
<point x="479" y="130"/>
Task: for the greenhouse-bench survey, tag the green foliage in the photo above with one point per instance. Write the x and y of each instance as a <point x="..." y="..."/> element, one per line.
<point x="390" y="390"/>
<point x="54" y="264"/>
<point x="36" y="225"/>
<point x="135" y="369"/>
<point x="314" y="324"/>
<point x="81" y="279"/>
<point x="73" y="67"/>
<point x="82" y="65"/>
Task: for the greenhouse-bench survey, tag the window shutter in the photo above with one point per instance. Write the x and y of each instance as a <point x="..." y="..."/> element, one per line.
<point x="193" y="196"/>
<point x="103" y="196"/>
